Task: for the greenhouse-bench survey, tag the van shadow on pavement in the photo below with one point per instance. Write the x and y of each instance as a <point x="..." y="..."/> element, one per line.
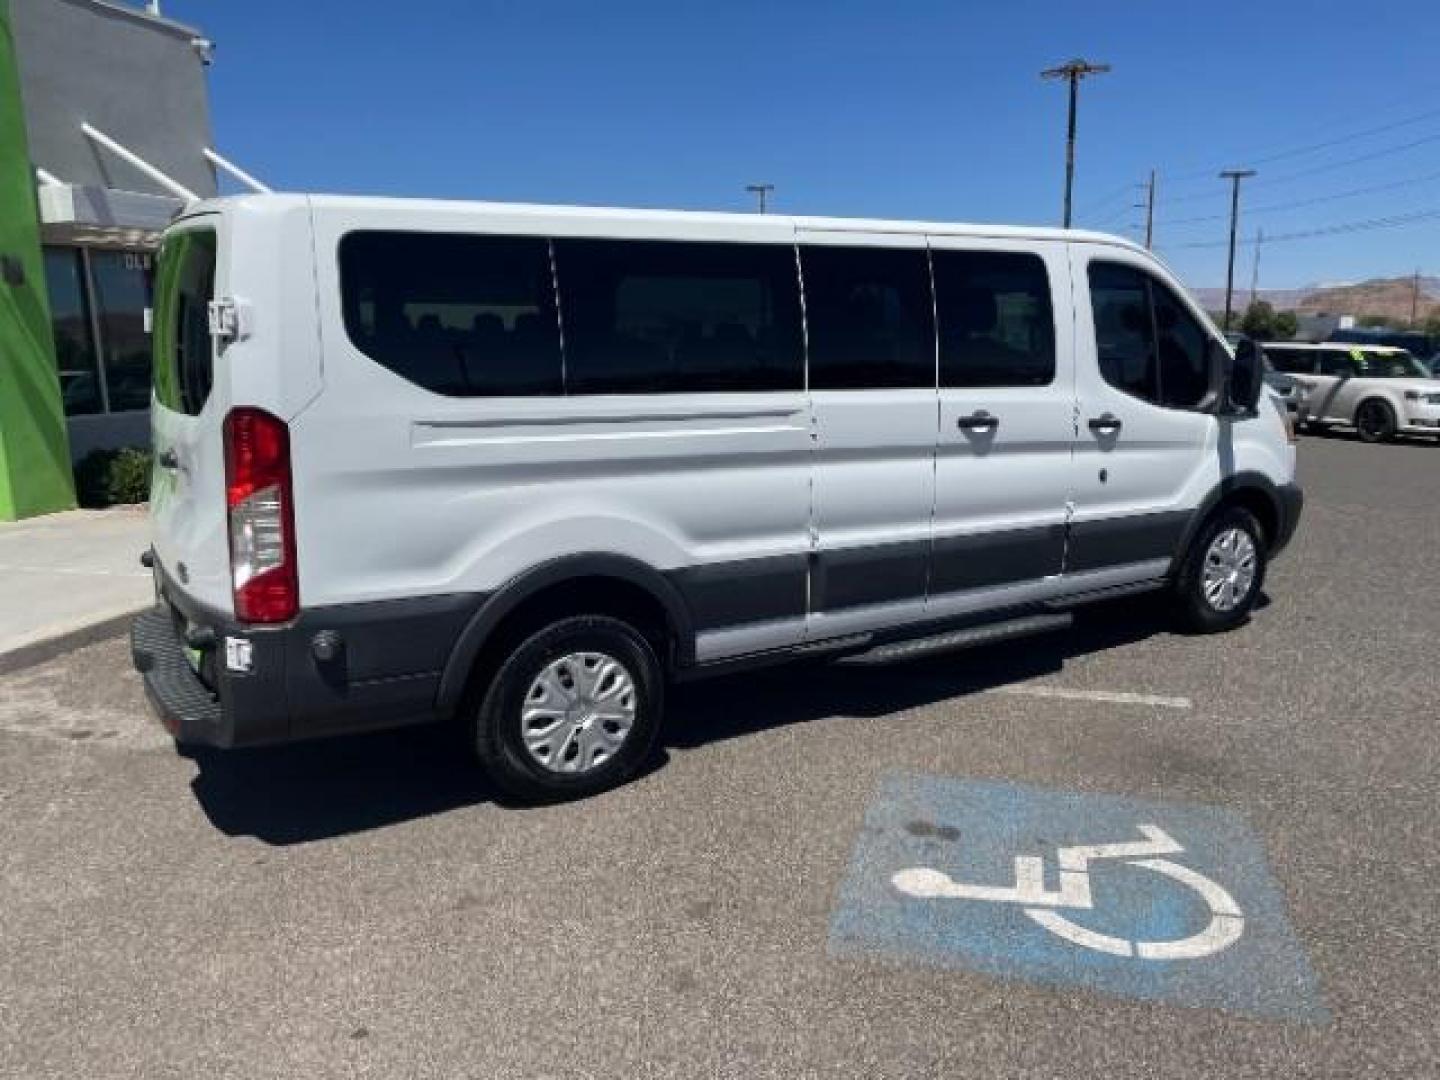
<point x="333" y="787"/>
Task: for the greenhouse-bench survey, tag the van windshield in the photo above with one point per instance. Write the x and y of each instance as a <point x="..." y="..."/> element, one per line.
<point x="183" y="354"/>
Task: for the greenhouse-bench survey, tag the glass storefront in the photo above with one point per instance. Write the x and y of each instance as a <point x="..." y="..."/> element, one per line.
<point x="98" y="299"/>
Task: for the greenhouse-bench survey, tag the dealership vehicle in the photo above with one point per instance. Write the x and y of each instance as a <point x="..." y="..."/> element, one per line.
<point x="1286" y="388"/>
<point x="1380" y="390"/>
<point x="522" y="467"/>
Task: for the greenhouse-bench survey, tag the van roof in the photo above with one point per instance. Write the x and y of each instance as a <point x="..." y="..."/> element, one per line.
<point x="393" y="205"/>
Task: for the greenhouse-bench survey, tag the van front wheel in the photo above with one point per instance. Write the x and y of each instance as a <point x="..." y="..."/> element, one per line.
<point x="574" y="709"/>
<point x="1223" y="572"/>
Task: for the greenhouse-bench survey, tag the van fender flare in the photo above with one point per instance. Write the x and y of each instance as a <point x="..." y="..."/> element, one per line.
<point x="1229" y="486"/>
<point x="494" y="608"/>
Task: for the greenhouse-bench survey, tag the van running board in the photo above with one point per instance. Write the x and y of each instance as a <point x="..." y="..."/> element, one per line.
<point x="970" y="636"/>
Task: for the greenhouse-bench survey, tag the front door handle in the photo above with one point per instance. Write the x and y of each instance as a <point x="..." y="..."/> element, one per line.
<point x="978" y="421"/>
<point x="168" y="460"/>
<point x="1105" y="425"/>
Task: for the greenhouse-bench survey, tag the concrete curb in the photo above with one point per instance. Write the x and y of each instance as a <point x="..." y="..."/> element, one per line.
<point x="39" y="652"/>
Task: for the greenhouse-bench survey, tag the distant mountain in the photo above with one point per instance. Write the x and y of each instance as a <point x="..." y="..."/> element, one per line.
<point x="1389" y="297"/>
<point x="1280" y="299"/>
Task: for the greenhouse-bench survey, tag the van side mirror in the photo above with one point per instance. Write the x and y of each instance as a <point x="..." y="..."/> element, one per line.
<point x="1235" y="382"/>
<point x="1247" y="377"/>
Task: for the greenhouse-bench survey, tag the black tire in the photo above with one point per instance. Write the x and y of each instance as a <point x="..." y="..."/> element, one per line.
<point x="495" y="728"/>
<point x="1375" y="421"/>
<point x="1194" y="609"/>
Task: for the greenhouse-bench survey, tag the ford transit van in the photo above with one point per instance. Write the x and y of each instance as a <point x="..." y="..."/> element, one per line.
<point x="523" y="467"/>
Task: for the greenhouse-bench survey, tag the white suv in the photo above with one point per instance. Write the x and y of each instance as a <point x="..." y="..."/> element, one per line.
<point x="1380" y="390"/>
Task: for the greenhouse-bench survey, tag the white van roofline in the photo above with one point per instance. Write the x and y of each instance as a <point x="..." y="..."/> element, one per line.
<point x="676" y="219"/>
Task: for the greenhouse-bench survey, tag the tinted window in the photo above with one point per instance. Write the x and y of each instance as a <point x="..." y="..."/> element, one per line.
<point x="663" y="317"/>
<point x="869" y="318"/>
<point x="467" y="316"/>
<point x="122" y="293"/>
<point x="1333" y="362"/>
<point x="996" y="326"/>
<point x="1124" y="334"/>
<point x="1184" y="368"/>
<point x="1290" y="361"/>
<point x="70" y="322"/>
<point x="183" y="353"/>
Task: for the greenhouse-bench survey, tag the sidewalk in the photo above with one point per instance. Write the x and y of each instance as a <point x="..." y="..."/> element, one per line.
<point x="64" y="574"/>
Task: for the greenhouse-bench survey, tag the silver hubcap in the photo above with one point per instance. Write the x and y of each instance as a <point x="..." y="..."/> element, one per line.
<point x="1229" y="569"/>
<point x="578" y="712"/>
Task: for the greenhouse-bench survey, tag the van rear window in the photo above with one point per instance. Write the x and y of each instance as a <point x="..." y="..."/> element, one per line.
<point x="184" y="362"/>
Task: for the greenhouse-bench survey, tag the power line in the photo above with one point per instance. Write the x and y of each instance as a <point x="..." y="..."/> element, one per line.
<point x="1365" y="225"/>
<point x="1268" y="208"/>
<point x="1323" y="168"/>
<point x="1099" y="204"/>
<point x="1323" y="145"/>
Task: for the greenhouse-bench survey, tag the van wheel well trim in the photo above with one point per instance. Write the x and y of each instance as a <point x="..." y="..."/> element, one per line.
<point x="530" y="583"/>
<point x="1233" y="490"/>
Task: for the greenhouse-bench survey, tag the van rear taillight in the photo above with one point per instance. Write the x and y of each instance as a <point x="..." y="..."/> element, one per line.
<point x="260" y="502"/>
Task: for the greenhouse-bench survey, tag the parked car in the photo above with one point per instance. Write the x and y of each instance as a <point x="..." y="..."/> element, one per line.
<point x="521" y="467"/>
<point x="1285" y="387"/>
<point x="1380" y="390"/>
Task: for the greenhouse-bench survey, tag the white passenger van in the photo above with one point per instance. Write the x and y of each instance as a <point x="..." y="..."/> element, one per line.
<point x="524" y="466"/>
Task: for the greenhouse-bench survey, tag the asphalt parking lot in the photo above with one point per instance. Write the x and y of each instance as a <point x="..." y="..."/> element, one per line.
<point x="364" y="907"/>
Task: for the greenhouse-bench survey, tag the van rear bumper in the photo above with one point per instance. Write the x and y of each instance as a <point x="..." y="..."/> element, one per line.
<point x="380" y="667"/>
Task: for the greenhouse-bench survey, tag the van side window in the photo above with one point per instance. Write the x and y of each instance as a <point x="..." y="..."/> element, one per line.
<point x="1183" y="345"/>
<point x="655" y="317"/>
<point x="467" y="316"/>
<point x="1124" y="334"/>
<point x="996" y="323"/>
<point x="869" y="318"/>
<point x="183" y="354"/>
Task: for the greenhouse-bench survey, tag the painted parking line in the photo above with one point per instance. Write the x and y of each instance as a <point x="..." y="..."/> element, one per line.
<point x="1111" y="697"/>
<point x="1163" y="901"/>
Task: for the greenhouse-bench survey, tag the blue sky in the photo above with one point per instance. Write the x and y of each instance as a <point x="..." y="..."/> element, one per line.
<point x="909" y="110"/>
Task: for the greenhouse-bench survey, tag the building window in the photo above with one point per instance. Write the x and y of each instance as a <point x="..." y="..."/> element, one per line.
<point x="121" y="282"/>
<point x="97" y="311"/>
<point x="74" y="332"/>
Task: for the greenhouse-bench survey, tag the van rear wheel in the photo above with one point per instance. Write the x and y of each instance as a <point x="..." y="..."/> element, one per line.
<point x="1223" y="572"/>
<point x="572" y="710"/>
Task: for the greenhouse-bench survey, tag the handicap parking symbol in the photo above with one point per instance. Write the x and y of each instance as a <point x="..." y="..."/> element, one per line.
<point x="1163" y="901"/>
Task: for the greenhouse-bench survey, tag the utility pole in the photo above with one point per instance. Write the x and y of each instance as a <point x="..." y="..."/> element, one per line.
<point x="1255" y="270"/>
<point x="1073" y="72"/>
<point x="760" y="191"/>
<point x="1234" y="176"/>
<point x="1150" y="213"/>
<point x="1415" y="300"/>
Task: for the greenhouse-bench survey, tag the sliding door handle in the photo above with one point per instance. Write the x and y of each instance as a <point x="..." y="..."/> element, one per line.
<point x="978" y="421"/>
<point x="1105" y="425"/>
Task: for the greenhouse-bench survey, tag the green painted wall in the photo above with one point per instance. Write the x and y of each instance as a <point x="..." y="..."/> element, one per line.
<point x="35" y="474"/>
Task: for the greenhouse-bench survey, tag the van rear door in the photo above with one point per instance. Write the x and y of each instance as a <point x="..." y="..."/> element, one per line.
<point x="187" y="498"/>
